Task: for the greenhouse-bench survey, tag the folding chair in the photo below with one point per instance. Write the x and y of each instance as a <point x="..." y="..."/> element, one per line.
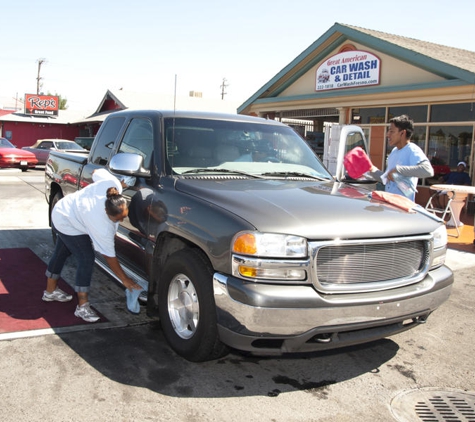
<point x="447" y="210"/>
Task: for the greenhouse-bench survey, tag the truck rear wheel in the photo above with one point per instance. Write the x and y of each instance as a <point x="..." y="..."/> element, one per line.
<point x="187" y="308"/>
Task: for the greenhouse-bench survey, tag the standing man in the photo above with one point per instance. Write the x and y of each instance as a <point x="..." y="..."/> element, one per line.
<point x="406" y="162"/>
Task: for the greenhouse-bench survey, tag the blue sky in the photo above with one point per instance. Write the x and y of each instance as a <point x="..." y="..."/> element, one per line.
<point x="92" y="46"/>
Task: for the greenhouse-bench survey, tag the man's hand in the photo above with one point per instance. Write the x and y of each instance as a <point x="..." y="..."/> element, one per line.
<point x="390" y="174"/>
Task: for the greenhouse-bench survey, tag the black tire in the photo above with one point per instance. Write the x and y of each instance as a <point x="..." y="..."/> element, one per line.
<point x="187" y="308"/>
<point x="56" y="198"/>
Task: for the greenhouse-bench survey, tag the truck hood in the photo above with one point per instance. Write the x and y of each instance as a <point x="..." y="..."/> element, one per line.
<point x="314" y="210"/>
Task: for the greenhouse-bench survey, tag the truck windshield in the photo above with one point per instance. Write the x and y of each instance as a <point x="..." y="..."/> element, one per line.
<point x="244" y="147"/>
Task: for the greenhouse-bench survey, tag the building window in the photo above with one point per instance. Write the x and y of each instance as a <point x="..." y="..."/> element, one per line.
<point x="417" y="113"/>
<point x="448" y="145"/>
<point x="463" y="112"/>
<point x="419" y="137"/>
<point x="445" y="144"/>
<point x="364" y="116"/>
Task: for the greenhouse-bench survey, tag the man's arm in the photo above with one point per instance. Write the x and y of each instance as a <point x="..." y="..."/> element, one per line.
<point x="376" y="174"/>
<point x="422" y="170"/>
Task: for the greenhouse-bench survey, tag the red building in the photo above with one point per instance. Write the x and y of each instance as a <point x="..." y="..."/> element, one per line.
<point x="25" y="129"/>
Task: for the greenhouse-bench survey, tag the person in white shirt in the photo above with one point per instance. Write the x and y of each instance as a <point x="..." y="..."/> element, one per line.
<point x="406" y="162"/>
<point x="87" y="221"/>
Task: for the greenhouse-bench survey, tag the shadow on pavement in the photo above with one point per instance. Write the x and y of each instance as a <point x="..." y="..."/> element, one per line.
<point x="139" y="356"/>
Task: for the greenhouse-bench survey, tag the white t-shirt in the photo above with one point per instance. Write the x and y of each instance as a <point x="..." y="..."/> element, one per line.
<point x="84" y="212"/>
<point x="410" y="155"/>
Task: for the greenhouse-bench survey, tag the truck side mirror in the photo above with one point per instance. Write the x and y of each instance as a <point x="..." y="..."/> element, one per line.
<point x="128" y="164"/>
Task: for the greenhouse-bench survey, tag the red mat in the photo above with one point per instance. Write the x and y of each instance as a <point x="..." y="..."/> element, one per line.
<point x="22" y="282"/>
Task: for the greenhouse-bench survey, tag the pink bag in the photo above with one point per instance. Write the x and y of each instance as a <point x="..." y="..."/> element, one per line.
<point x="357" y="162"/>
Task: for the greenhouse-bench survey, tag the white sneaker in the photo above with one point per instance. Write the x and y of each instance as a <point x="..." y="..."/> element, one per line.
<point x="56" y="296"/>
<point x="86" y="313"/>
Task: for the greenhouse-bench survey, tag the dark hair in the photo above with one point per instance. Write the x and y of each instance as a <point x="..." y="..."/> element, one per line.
<point x="115" y="202"/>
<point x="404" y="122"/>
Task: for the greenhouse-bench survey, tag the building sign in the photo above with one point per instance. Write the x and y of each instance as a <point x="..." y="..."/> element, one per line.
<point x="41" y="105"/>
<point x="349" y="69"/>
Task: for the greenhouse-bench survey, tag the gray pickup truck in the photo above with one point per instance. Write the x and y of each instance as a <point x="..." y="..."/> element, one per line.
<point x="248" y="242"/>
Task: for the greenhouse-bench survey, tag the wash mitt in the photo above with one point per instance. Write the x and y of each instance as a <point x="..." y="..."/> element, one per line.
<point x="357" y="162"/>
<point x="132" y="297"/>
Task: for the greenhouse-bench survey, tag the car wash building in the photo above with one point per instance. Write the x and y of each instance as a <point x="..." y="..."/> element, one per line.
<point x="352" y="75"/>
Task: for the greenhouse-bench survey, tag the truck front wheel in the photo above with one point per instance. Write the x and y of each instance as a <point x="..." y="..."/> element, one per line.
<point x="187" y="308"/>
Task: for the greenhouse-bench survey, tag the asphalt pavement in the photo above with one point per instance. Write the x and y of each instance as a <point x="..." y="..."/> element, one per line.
<point x="125" y="371"/>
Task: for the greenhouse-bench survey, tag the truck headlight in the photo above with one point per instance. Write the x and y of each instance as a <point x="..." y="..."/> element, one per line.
<point x="440" y="237"/>
<point x="269" y="245"/>
<point x="440" y="246"/>
<point x="270" y="257"/>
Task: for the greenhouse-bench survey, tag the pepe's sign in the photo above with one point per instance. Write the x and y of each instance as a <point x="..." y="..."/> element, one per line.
<point x="350" y="69"/>
<point x="41" y="105"/>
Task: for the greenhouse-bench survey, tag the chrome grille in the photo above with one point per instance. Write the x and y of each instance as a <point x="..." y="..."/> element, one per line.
<point x="361" y="263"/>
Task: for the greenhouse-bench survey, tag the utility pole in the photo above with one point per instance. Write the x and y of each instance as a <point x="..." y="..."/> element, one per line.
<point x="38" y="78"/>
<point x="223" y="87"/>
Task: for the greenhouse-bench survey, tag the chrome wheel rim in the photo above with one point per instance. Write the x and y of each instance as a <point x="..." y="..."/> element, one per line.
<point x="183" y="306"/>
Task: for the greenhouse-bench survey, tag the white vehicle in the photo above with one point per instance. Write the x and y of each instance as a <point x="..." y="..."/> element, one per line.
<point x="42" y="147"/>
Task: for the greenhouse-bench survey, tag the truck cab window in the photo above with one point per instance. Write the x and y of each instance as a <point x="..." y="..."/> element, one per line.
<point x="138" y="139"/>
<point x="105" y="140"/>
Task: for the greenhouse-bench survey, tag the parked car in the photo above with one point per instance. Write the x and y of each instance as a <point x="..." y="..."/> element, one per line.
<point x="84" y="141"/>
<point x="12" y="157"/>
<point x="42" y="148"/>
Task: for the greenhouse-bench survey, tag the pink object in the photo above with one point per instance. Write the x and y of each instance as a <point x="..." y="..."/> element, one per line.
<point x="357" y="162"/>
<point x="397" y="200"/>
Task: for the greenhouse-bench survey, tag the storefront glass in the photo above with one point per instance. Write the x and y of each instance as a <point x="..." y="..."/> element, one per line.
<point x="463" y="112"/>
<point x="364" y="116"/>
<point x="448" y="145"/>
<point x="445" y="144"/>
<point x="417" y="113"/>
<point x="419" y="136"/>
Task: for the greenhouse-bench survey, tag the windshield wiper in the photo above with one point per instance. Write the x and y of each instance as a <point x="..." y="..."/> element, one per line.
<point x="294" y="174"/>
<point x="216" y="170"/>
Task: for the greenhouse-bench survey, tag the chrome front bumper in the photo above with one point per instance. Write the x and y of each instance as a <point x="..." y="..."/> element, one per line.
<point x="250" y="311"/>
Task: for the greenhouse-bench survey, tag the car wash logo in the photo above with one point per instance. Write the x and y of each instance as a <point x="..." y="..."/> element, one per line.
<point x="350" y="69"/>
<point x="41" y="105"/>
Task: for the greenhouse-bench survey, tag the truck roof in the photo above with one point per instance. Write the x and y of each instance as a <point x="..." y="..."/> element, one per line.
<point x="199" y="115"/>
